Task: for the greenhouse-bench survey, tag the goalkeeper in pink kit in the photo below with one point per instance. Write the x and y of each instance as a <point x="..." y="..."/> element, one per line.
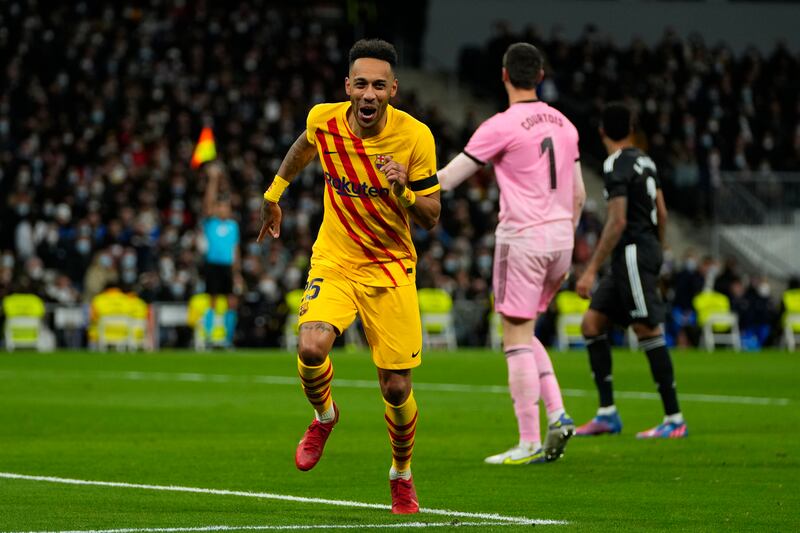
<point x="534" y="150"/>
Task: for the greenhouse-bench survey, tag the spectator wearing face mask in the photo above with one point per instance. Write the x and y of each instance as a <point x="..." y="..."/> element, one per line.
<point x="128" y="267"/>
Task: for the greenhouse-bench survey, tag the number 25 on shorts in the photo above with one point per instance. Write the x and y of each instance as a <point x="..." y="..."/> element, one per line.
<point x="312" y="288"/>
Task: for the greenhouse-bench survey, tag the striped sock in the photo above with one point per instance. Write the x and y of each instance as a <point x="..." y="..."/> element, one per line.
<point x="316" y="381"/>
<point x="401" y="421"/>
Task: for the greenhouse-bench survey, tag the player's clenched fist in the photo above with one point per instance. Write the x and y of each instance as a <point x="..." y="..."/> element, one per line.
<point x="396" y="175"/>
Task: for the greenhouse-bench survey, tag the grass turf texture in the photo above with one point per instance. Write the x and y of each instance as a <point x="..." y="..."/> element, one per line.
<point x="219" y="421"/>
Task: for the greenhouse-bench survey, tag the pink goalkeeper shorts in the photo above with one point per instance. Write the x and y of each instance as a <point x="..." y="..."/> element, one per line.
<point x="525" y="281"/>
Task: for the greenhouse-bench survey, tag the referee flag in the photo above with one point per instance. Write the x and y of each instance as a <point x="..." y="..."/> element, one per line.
<point x="206" y="149"/>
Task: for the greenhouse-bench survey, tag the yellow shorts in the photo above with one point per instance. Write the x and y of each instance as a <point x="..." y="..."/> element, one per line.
<point x="390" y="315"/>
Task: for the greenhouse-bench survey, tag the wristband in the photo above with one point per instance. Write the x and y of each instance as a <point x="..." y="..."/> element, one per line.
<point x="407" y="198"/>
<point x="275" y="190"/>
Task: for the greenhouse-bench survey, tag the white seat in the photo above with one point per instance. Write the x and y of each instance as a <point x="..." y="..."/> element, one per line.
<point x="23" y="321"/>
<point x="114" y="330"/>
<point x="72" y="322"/>
<point x="438" y="330"/>
<point x="712" y="337"/>
<point x="14" y="325"/>
<point x="168" y="315"/>
<point x="436" y="315"/>
<point x="69" y="318"/>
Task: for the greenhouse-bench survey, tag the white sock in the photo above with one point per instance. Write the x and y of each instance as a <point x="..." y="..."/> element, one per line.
<point x="399" y="474"/>
<point x="677" y="418"/>
<point x="606" y="411"/>
<point x="553" y="417"/>
<point x="327" y="416"/>
<point x="532" y="445"/>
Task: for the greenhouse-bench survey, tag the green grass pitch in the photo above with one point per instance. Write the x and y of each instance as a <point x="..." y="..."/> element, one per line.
<point x="231" y="421"/>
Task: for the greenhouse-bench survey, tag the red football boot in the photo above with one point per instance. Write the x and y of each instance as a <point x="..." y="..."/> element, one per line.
<point x="309" y="451"/>
<point x="404" y="497"/>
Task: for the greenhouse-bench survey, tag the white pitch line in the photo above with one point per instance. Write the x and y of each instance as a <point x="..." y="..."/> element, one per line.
<point x="409" y="525"/>
<point x="194" y="377"/>
<point x="282" y="497"/>
<point x="436" y="387"/>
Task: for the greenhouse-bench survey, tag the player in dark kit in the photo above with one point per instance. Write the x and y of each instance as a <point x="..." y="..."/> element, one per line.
<point x="633" y="235"/>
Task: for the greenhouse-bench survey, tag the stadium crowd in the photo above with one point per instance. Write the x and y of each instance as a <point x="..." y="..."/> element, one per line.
<point x="702" y="108"/>
<point x="101" y="107"/>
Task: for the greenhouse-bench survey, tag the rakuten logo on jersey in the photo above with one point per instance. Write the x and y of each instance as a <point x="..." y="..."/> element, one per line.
<point x="345" y="187"/>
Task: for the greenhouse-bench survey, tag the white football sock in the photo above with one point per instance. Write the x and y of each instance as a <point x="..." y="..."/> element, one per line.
<point x="677" y="418"/>
<point x="553" y="417"/>
<point x="532" y="445"/>
<point x="399" y="474"/>
<point x="606" y="411"/>
<point x="327" y="416"/>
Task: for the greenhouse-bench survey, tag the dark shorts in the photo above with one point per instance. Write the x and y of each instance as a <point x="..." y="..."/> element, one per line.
<point x="219" y="279"/>
<point x="630" y="293"/>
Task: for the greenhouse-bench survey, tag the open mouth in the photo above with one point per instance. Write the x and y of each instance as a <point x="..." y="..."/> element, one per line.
<point x="367" y="113"/>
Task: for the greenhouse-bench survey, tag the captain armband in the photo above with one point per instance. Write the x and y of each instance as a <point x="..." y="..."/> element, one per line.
<point x="275" y="190"/>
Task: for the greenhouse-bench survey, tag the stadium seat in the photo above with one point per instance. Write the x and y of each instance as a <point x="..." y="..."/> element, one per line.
<point x="111" y="320"/>
<point x="293" y="300"/>
<point x="438" y="328"/>
<point x="570" y="308"/>
<point x="718" y="324"/>
<point x="207" y="323"/>
<point x="23" y="321"/>
<point x="72" y="322"/>
<point x="791" y="318"/>
<point x="168" y="315"/>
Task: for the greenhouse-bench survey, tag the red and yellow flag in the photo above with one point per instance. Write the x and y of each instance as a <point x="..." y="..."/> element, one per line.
<point x="206" y="149"/>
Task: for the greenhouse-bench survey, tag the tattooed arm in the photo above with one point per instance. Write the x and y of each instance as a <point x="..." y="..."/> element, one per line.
<point x="297" y="158"/>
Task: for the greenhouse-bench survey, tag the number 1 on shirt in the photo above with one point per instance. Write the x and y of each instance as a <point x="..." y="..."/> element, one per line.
<point x="547" y="144"/>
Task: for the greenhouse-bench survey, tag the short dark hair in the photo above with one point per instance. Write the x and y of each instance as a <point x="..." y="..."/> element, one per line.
<point x="523" y="62"/>
<point x="375" y="49"/>
<point x="617" y="120"/>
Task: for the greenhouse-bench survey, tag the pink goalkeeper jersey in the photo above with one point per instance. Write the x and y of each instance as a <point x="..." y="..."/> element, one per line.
<point x="533" y="148"/>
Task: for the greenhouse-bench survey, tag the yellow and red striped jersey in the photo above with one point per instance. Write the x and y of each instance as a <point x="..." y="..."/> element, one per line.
<point x="365" y="232"/>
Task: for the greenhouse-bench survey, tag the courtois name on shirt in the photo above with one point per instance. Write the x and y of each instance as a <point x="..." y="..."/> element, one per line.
<point x="538" y="118"/>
